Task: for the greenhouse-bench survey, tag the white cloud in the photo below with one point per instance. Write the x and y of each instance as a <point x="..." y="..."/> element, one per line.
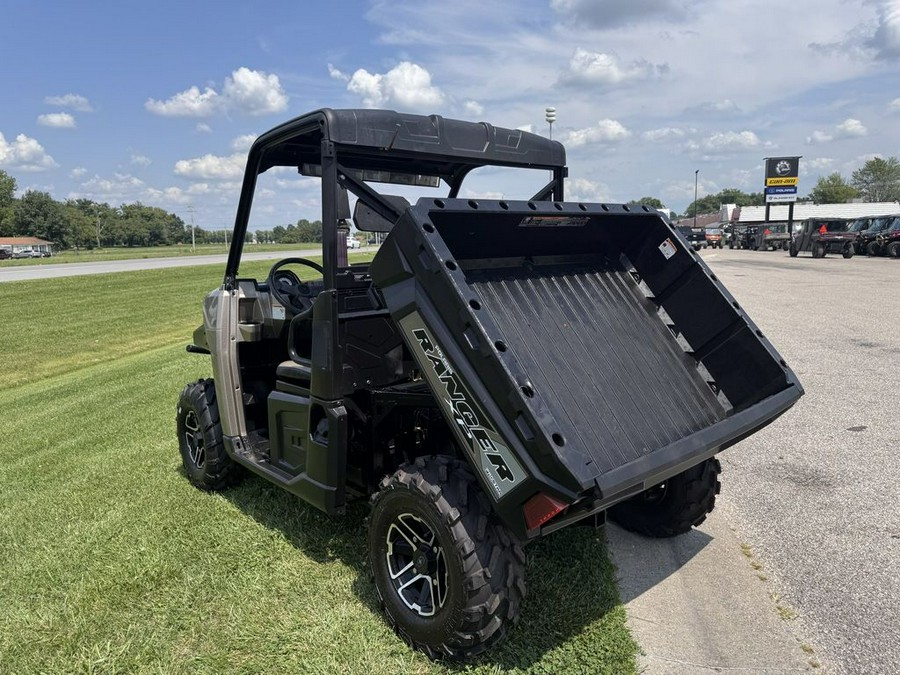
<point x="57" y="120"/>
<point x="584" y="190"/>
<point x="203" y="128"/>
<point x="249" y="92"/>
<point x="25" y="154"/>
<point x="77" y="172"/>
<point x="666" y="133"/>
<point x="614" y="13"/>
<point x="849" y="128"/>
<point x="243" y="143"/>
<point x="121" y="188"/>
<point x="526" y="127"/>
<point x="607" y="69"/>
<point x="725" y="106"/>
<point x="605" y="131"/>
<point x="406" y="85"/>
<point x="189" y="103"/>
<point x="886" y="40"/>
<point x="473" y="109"/>
<point x="725" y="142"/>
<point x="336" y="74"/>
<point x="74" y="101"/>
<point x="253" y="92"/>
<point x="819" y="163"/>
<point x="141" y="160"/>
<point x="213" y="167"/>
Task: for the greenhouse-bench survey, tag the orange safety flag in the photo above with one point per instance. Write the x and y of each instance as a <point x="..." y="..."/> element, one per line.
<point x="767" y="232"/>
<point x="823" y="230"/>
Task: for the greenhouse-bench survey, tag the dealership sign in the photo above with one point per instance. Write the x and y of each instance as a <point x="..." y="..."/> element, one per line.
<point x="782" y="176"/>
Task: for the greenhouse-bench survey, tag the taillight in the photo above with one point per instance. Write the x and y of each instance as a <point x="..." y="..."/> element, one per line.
<point x="541" y="508"/>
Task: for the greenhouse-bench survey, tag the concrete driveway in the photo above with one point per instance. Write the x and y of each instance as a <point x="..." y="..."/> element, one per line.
<point x="800" y="563"/>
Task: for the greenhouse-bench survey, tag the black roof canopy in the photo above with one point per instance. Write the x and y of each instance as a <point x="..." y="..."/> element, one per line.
<point x="386" y="140"/>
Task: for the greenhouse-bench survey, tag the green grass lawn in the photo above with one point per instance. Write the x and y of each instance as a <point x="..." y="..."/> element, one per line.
<point x="113" y="563"/>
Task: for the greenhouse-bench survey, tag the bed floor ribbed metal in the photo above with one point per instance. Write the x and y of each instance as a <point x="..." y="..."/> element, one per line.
<point x="614" y="377"/>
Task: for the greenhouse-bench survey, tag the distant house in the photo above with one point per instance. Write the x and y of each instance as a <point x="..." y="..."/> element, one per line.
<point x="15" y="244"/>
<point x="703" y="220"/>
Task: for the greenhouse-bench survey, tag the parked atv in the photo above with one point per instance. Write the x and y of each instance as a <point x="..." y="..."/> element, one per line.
<point x="768" y="236"/>
<point x="737" y="237"/>
<point x="867" y="240"/>
<point x="884" y="241"/>
<point x="714" y="237"/>
<point x="502" y="369"/>
<point x="821" y="236"/>
<point x="889" y="241"/>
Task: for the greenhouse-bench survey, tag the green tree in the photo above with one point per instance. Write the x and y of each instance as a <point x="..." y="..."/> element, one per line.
<point x="652" y="202"/>
<point x="7" y="200"/>
<point x="878" y="180"/>
<point x="832" y="189"/>
<point x="711" y="203"/>
<point x="37" y="214"/>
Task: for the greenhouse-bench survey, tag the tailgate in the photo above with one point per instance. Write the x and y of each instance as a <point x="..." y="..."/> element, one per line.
<point x="598" y="350"/>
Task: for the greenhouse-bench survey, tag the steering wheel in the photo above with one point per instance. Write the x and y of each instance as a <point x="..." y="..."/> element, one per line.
<point x="287" y="288"/>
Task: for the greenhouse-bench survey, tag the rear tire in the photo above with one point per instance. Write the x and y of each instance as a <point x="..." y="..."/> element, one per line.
<point x="893" y="249"/>
<point x="674" y="506"/>
<point x="792" y="250"/>
<point x="449" y="575"/>
<point x="848" y="251"/>
<point x="203" y="455"/>
<point x="873" y="249"/>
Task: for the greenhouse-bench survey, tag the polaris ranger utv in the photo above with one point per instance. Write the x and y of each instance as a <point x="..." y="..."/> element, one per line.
<point x="500" y="370"/>
<point x="821" y="236"/>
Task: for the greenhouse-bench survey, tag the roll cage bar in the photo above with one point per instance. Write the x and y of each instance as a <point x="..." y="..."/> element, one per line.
<point x="343" y="145"/>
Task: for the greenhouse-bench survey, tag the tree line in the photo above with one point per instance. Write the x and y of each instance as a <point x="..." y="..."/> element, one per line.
<point x="86" y="224"/>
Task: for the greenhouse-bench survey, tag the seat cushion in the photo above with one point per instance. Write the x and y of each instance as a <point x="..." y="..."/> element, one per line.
<point x="291" y="370"/>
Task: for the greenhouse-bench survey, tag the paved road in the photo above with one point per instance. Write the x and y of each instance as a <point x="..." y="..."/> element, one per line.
<point x="26" y="272"/>
<point x="816" y="495"/>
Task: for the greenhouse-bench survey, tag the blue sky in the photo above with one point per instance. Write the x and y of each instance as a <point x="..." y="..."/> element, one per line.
<point x="157" y="102"/>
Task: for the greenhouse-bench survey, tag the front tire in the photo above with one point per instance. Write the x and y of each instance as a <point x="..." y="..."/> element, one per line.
<point x="449" y="575"/>
<point x="674" y="506"/>
<point x="848" y="251"/>
<point x="203" y="455"/>
<point x="893" y="249"/>
<point x="792" y="250"/>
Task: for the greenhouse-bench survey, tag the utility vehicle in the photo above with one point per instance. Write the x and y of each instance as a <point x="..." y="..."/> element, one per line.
<point x="714" y="237"/>
<point x="500" y="370"/>
<point x="868" y="240"/>
<point x="821" y="236"/>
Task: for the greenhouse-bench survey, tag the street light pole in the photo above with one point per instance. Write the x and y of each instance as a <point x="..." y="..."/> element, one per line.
<point x="696" y="173"/>
<point x="191" y="211"/>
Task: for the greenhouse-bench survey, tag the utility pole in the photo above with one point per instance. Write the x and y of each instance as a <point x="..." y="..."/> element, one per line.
<point x="191" y="211"/>
<point x="696" y="173"/>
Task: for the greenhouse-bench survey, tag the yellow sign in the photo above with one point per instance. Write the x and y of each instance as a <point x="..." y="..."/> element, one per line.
<point x="789" y="180"/>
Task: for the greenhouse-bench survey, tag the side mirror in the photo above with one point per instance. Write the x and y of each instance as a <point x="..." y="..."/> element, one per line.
<point x="368" y="220"/>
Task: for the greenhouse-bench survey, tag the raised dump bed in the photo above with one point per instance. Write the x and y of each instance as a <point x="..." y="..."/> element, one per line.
<point x="599" y="346"/>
